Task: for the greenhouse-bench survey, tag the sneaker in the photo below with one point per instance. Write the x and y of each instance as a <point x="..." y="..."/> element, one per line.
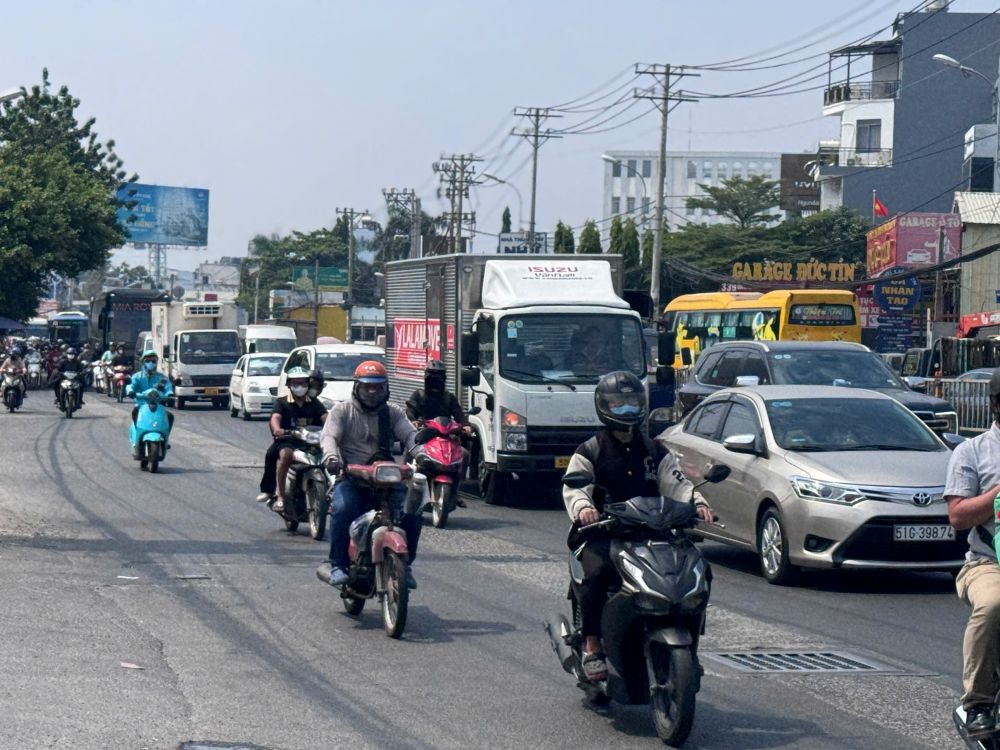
<point x="278" y="506"/>
<point x="595" y="666"/>
<point x="338" y="577"/>
<point x="979" y="721"/>
<point x="263" y="497"/>
<point x="411" y="582"/>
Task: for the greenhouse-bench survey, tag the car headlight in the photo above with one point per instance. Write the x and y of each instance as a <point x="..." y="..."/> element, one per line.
<point x="513" y="430"/>
<point x="828" y="492"/>
<point x="952" y="418"/>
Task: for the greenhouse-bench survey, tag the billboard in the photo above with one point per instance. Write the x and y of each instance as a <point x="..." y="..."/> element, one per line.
<point x="799" y="191"/>
<point x="165" y="215"/>
<point x="914" y="240"/>
<point x="417" y="341"/>
<point x="516" y="243"/>
<point x="331" y="278"/>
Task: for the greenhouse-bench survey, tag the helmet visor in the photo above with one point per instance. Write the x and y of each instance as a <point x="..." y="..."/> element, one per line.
<point x="625" y="404"/>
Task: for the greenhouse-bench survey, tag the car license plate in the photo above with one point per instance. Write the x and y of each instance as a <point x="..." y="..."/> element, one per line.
<point x="562" y="462"/>
<point x="211" y="391"/>
<point x="923" y="532"/>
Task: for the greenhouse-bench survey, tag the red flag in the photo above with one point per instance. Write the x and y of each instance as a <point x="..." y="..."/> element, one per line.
<point x="878" y="207"/>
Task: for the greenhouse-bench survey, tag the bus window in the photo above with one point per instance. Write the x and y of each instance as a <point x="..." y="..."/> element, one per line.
<point x="821" y="315"/>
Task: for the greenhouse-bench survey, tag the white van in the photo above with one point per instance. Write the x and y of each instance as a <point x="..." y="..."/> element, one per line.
<point x="261" y="339"/>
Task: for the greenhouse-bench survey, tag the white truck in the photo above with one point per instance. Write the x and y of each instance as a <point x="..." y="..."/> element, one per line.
<point x="261" y="338"/>
<point x="525" y="341"/>
<point x="200" y="345"/>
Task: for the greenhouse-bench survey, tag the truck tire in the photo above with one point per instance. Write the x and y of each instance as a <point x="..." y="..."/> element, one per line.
<point x="493" y="485"/>
<point x="180" y="403"/>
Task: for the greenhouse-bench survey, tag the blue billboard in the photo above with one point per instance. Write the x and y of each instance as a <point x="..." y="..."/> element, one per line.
<point x="165" y="215"/>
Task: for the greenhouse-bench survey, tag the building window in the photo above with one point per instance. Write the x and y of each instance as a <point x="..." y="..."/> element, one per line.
<point x="706" y="170"/>
<point x="616" y="169"/>
<point x="737" y="169"/>
<point x="723" y="170"/>
<point x="632" y="168"/>
<point x="616" y="206"/>
<point x="647" y="168"/>
<point x="630" y="205"/>
<point x="869" y="136"/>
<point x="692" y="170"/>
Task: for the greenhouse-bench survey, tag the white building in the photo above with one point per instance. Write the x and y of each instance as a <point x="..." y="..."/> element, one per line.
<point x="630" y="181"/>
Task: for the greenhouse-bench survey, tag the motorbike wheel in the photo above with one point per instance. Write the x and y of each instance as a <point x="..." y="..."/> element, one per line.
<point x="673" y="697"/>
<point x="353" y="605"/>
<point x="291" y="525"/>
<point x="68" y="407"/>
<point x="153" y="456"/>
<point x="439" y="509"/>
<point x="396" y="598"/>
<point x="119" y="393"/>
<point x="317" y="510"/>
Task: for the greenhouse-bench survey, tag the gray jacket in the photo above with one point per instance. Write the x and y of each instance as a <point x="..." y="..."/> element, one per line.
<point x="350" y="433"/>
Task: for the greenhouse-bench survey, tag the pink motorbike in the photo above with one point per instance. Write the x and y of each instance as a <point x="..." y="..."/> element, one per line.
<point x="439" y="460"/>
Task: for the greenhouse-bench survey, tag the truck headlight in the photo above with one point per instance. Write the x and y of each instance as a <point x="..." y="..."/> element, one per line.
<point x="184" y="380"/>
<point x="513" y="430"/>
<point x="828" y="492"/>
<point x="254" y="388"/>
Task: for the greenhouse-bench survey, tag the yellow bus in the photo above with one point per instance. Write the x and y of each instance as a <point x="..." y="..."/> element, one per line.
<point x="696" y="321"/>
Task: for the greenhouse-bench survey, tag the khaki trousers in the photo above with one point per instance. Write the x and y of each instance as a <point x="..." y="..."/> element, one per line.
<point x="978" y="585"/>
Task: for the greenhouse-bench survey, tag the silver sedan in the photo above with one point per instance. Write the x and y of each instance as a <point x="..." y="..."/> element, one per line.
<point x="822" y="477"/>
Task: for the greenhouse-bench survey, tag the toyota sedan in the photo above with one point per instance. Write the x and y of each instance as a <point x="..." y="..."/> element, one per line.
<point x="822" y="477"/>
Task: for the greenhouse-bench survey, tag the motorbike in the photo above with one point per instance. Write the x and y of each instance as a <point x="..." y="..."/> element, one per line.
<point x="378" y="548"/>
<point x="34" y="377"/>
<point x="70" y="393"/>
<point x="13" y="393"/>
<point x="652" y="623"/>
<point x="438" y="459"/>
<point x="119" y="382"/>
<point x="307" y="485"/>
<point x="150" y="433"/>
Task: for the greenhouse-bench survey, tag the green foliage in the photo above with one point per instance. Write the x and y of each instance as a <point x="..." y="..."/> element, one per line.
<point x="744" y="201"/>
<point x="58" y="195"/>
<point x="590" y="239"/>
<point x="563" y="241"/>
<point x="629" y="243"/>
<point x="505" y="220"/>
<point x="615" y="236"/>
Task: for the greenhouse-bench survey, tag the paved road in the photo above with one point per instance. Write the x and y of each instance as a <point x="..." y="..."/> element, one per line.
<point x="99" y="557"/>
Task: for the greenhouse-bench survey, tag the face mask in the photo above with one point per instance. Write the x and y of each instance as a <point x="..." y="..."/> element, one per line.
<point x="150" y="366"/>
<point x="70" y="357"/>
<point x="313" y="392"/>
<point x="625" y="410"/>
<point x="299" y="390"/>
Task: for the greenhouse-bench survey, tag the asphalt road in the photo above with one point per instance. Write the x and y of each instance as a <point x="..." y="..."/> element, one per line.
<point x="181" y="574"/>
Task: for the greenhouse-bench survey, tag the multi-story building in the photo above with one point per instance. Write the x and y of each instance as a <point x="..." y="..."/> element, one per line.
<point x="630" y="180"/>
<point x="903" y="115"/>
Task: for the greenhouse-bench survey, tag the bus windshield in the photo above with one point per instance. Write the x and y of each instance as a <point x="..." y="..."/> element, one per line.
<point x="570" y="347"/>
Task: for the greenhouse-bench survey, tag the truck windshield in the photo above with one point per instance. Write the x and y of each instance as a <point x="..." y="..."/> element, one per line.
<point x="575" y="348"/>
<point x="282" y="346"/>
<point x="336" y="366"/>
<point x="209" y="348"/>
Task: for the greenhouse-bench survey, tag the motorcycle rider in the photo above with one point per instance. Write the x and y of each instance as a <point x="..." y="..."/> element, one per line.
<point x="16" y="365"/>
<point x="972" y="484"/>
<point x="120" y="359"/>
<point x="68" y="363"/>
<point x="297" y="409"/>
<point x="149" y="377"/>
<point x="317" y="381"/>
<point x="359" y="431"/>
<point x="625" y="464"/>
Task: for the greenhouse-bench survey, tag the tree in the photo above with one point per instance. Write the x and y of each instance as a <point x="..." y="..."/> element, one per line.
<point x="615" y="236"/>
<point x="505" y="220"/>
<point x="563" y="241"/>
<point x="590" y="239"/>
<point x="747" y="202"/>
<point x="630" y="254"/>
<point x="58" y="196"/>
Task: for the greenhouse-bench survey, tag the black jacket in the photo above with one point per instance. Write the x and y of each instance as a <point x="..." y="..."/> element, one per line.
<point x="425" y="405"/>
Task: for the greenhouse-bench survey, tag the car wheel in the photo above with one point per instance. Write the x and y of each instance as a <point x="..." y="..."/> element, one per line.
<point x="772" y="549"/>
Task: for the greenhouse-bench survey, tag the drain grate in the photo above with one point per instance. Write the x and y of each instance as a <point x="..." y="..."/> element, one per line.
<point x="786" y="662"/>
<point x="195" y="745"/>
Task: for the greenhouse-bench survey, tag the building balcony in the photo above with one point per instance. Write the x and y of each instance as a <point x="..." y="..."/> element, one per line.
<point x="853" y="91"/>
<point x="839" y="161"/>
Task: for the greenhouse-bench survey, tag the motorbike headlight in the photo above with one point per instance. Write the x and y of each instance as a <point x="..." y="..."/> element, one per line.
<point x="513" y="430"/>
<point x="389" y="474"/>
<point x="694" y="602"/>
<point x="312" y="438"/>
<point x="828" y="492"/>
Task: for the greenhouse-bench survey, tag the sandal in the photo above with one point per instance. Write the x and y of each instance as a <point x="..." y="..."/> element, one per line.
<point x="595" y="666"/>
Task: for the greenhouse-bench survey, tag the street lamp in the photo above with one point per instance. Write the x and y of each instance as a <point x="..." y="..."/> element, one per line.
<point x="642" y="181"/>
<point x="513" y="187"/>
<point x="965" y="70"/>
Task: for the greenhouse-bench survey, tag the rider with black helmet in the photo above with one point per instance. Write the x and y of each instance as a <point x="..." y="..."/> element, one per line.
<point x="433" y="400"/>
<point x="69" y="362"/>
<point x="623" y="463"/>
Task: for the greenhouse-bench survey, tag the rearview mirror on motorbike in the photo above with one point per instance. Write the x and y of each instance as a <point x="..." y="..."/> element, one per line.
<point x="716" y="473"/>
<point x="576" y="480"/>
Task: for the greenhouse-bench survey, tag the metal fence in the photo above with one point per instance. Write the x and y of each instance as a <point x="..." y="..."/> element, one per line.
<point x="970" y="399"/>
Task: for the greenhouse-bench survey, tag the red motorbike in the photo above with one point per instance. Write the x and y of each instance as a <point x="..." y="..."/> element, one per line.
<point x="119" y="381"/>
<point x="378" y="549"/>
<point x="439" y="460"/>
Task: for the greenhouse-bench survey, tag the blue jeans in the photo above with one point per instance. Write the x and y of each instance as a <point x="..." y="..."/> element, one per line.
<point x="351" y="500"/>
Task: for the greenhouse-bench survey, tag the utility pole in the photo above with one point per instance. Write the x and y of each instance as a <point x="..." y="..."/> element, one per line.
<point x="349" y="214"/>
<point x="406" y="200"/>
<point x="536" y="138"/>
<point x="663" y="95"/>
<point x="457" y="174"/>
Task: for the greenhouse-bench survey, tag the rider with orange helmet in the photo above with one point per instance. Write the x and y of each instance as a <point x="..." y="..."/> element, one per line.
<point x="359" y="431"/>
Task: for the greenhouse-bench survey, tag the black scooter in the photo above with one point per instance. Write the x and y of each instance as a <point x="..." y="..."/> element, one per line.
<point x="653" y="621"/>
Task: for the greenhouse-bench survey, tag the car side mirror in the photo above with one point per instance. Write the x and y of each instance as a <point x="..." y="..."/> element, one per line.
<point x="665" y="375"/>
<point x="741" y="444"/>
<point x="576" y="480"/>
<point x="687" y="356"/>
<point x="470" y="376"/>
<point x="952" y="440"/>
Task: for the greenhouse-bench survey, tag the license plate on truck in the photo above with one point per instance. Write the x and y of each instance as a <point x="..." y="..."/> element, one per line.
<point x="923" y="532"/>
<point x="211" y="391"/>
<point x="562" y="462"/>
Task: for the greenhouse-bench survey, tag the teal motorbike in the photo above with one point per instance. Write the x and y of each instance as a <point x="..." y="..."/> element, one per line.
<point x="150" y="432"/>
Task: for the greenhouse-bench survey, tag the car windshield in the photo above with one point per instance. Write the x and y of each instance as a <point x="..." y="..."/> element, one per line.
<point x="337" y="366"/>
<point x="858" y="369"/>
<point x="284" y="346"/>
<point x="265" y="366"/>
<point x="847" y="424"/>
<point x="209" y="348"/>
<point x="569" y="347"/>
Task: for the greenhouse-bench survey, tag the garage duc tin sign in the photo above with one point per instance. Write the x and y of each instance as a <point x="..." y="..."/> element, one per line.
<point x="897" y="295"/>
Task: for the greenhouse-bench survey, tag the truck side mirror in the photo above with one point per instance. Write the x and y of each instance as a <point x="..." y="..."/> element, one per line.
<point x="252" y="348"/>
<point x="470" y="350"/>
<point x="665" y="343"/>
<point x="166" y="353"/>
<point x="470" y="375"/>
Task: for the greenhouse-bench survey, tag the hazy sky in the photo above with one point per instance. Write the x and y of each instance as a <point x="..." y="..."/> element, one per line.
<point x="287" y="110"/>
